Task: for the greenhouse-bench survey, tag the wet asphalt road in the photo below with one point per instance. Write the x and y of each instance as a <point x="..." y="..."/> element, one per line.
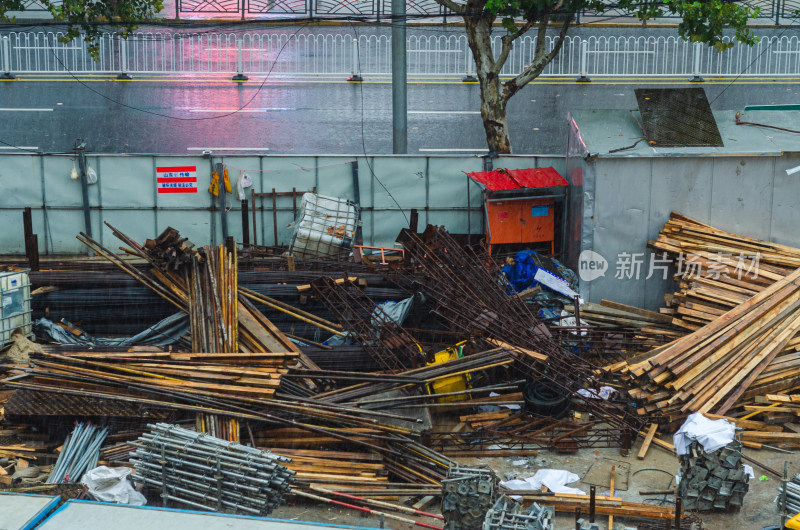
<point x="322" y="115"/>
<point x="184" y="115"/>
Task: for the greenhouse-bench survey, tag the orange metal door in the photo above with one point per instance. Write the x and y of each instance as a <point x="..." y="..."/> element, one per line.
<point x="504" y="221"/>
<point x="537" y="217"/>
<point x="521" y="221"/>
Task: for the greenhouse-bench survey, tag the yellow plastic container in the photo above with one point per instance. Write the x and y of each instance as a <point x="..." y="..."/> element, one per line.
<point x="454" y="383"/>
<point x="794" y="522"/>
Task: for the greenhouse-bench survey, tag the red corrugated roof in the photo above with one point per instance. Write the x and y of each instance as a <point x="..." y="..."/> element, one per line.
<point x="513" y="179"/>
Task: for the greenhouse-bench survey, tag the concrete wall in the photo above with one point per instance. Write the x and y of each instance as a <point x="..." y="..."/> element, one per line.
<point x="125" y="195"/>
<point x="633" y="198"/>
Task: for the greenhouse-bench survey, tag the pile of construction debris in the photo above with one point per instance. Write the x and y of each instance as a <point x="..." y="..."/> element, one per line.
<point x="344" y="383"/>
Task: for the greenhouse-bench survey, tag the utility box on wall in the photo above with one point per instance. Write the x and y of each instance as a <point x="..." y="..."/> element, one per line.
<point x="521" y="207"/>
<point x="521" y="221"/>
<point x="15" y="304"/>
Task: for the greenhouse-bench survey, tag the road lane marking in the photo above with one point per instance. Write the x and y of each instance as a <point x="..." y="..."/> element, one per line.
<point x="274" y="109"/>
<point x="454" y="150"/>
<point x="19" y="148"/>
<point x="25" y="110"/>
<point x="227" y="149"/>
<point x="444" y="112"/>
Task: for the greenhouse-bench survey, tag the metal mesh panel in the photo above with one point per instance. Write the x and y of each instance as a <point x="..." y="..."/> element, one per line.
<point x="677" y="117"/>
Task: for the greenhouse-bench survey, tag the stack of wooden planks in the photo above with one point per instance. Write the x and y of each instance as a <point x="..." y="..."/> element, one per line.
<point x="645" y="329"/>
<point x="616" y="314"/>
<point x="332" y="469"/>
<point x="711" y="368"/>
<point x="738" y="302"/>
<point x="717" y="270"/>
<point x="254" y="375"/>
<point x="602" y="505"/>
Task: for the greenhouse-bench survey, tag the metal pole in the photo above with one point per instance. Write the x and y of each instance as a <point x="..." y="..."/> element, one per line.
<point x="357" y="195"/>
<point x="245" y="223"/>
<point x="239" y="61"/>
<point x="355" y="70"/>
<point x="783" y="493"/>
<point x="87" y="218"/>
<point x="222" y="202"/>
<point x="399" y="79"/>
<point x="123" y="60"/>
<point x="584" y="74"/>
<point x="698" y="50"/>
<point x="7" y="60"/>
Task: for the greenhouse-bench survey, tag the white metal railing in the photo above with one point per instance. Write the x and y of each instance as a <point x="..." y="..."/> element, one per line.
<point x="314" y="54"/>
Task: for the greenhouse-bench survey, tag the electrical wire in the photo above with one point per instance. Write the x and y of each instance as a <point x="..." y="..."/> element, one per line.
<point x="363" y="139"/>
<point x="160" y="114"/>
<point x="18" y="147"/>
<point x="740" y="74"/>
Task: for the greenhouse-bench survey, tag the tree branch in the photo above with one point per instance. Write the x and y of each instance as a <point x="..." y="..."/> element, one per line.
<point x="508" y="41"/>
<point x="452" y="6"/>
<point x="540" y="60"/>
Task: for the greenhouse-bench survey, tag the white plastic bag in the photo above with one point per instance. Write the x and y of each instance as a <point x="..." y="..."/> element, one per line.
<point x="243" y="182"/>
<point x="111" y="485"/>
<point x="91" y="175"/>
<point x="712" y="434"/>
<point x="556" y="480"/>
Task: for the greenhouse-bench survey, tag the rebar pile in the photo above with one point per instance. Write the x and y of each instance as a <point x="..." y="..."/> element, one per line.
<point x="231" y="324"/>
<point x="80" y="453"/>
<point x="463" y="285"/>
<point x="213" y="308"/>
<point x="204" y="472"/>
<point x="390" y="346"/>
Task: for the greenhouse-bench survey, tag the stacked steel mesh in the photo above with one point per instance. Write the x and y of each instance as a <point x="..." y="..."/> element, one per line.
<point x="713" y="480"/>
<point x="467" y="494"/>
<point x="208" y="473"/>
<point x="507" y="514"/>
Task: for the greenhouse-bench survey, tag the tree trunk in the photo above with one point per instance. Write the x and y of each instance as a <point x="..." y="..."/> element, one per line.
<point x="493" y="104"/>
<point x="493" y="113"/>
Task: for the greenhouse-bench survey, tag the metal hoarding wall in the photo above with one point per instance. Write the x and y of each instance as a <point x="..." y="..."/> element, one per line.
<point x="633" y="198"/>
<point x="127" y="195"/>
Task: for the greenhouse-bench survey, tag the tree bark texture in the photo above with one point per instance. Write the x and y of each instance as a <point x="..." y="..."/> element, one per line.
<point x="493" y="102"/>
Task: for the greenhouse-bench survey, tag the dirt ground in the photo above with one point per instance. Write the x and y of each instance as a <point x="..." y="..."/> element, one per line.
<point x="656" y="471"/>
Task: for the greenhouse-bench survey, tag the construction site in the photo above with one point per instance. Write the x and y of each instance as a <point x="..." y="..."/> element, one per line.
<point x="609" y="339"/>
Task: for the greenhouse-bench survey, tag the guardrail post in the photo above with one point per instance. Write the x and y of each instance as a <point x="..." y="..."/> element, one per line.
<point x="239" y="63"/>
<point x="355" y="77"/>
<point x="470" y="68"/>
<point x="7" y="60"/>
<point x="584" y="73"/>
<point x="123" y="60"/>
<point x="698" y="51"/>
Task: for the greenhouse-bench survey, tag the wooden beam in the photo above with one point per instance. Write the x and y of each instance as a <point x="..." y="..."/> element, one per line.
<point x="648" y="439"/>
